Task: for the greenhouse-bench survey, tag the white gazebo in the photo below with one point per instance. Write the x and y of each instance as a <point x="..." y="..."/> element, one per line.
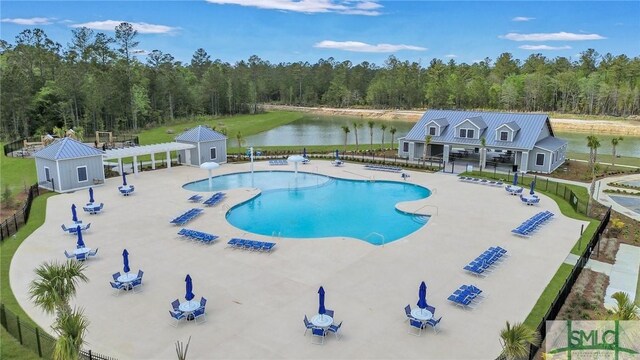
<point x="153" y="149"/>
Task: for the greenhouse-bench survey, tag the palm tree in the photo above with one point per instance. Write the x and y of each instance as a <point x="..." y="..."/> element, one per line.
<point x="55" y="285"/>
<point x="593" y="143"/>
<point x="355" y="132"/>
<point x="346" y="136"/>
<point x="181" y="350"/>
<point x="516" y="341"/>
<point x="625" y="308"/>
<point x="70" y="328"/>
<point x="371" y="125"/>
<point x="483" y="152"/>
<point x="240" y="140"/>
<point x="427" y="146"/>
<point x="383" y="127"/>
<point x="392" y="130"/>
<point x="614" y="143"/>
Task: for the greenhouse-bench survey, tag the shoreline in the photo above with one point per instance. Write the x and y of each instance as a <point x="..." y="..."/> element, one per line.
<point x="608" y="127"/>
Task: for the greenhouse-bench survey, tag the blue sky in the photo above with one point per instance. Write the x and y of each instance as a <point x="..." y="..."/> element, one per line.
<point x="356" y="30"/>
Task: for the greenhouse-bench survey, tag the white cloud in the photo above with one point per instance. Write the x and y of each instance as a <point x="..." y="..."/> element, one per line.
<point x="348" y="7"/>
<point x="451" y="56"/>
<point x="141" y="27"/>
<point x="522" y="18"/>
<point x="29" y="21"/>
<point x="559" y="36"/>
<point x="357" y="46"/>
<point x="544" y="47"/>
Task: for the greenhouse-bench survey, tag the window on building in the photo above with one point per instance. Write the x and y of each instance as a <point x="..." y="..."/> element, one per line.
<point x="463" y="133"/>
<point x="470" y="133"/>
<point x="47" y="174"/>
<point x="82" y="173"/>
<point x="540" y="159"/>
<point x="432" y="130"/>
<point x="213" y="153"/>
<point x="504" y="135"/>
<point x="405" y="147"/>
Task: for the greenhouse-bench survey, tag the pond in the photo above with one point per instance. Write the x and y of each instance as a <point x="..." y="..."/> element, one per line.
<point x="630" y="146"/>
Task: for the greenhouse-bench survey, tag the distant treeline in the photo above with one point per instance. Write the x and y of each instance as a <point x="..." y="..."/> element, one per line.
<point x="99" y="82"/>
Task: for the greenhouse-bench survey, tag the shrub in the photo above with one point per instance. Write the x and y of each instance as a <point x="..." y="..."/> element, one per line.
<point x="615" y="227"/>
<point x="7" y="198"/>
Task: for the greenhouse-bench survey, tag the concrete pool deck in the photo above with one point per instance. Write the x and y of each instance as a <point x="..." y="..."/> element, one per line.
<point x="256" y="302"/>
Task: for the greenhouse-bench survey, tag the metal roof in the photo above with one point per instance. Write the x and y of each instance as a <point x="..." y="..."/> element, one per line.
<point x="530" y="126"/>
<point x="67" y="148"/>
<point x="200" y="134"/>
<point x="440" y="122"/>
<point x="145" y="150"/>
<point x="512" y="125"/>
<point x="478" y="122"/>
<point x="551" y="143"/>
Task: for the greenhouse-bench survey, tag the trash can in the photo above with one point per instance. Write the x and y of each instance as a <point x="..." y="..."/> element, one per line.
<point x="515" y="168"/>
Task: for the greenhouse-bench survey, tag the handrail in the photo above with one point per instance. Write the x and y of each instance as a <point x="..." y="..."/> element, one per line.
<point x="424" y="206"/>
<point x="351" y="172"/>
<point x="378" y="234"/>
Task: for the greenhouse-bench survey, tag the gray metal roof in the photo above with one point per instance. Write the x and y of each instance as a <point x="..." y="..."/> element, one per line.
<point x="551" y="143"/>
<point x="67" y="148"/>
<point x="200" y="134"/>
<point x="512" y="125"/>
<point x="440" y="122"/>
<point x="477" y="121"/>
<point x="530" y="126"/>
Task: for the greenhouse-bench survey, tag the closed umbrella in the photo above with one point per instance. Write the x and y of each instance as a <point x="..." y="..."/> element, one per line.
<point x="124" y="178"/>
<point x="515" y="178"/>
<point x="533" y="186"/>
<point x="422" y="296"/>
<point x="125" y="258"/>
<point x="91" y="195"/>
<point x="337" y="155"/>
<point x="80" y="242"/>
<point x="74" y="215"/>
<point x="189" y="295"/>
<point x="321" y="309"/>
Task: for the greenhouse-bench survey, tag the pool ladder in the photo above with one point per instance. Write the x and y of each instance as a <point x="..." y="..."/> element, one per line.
<point x="420" y="219"/>
<point x="376" y="234"/>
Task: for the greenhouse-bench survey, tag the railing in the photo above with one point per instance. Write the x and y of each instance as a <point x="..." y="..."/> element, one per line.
<point x="11" y="225"/>
<point x="424" y="206"/>
<point x="35" y="339"/>
<point x="13" y="146"/>
<point x="562" y="295"/>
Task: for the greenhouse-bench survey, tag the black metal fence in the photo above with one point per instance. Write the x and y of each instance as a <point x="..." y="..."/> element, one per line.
<point x="35" y="339"/>
<point x="11" y="225"/>
<point x="13" y="146"/>
<point x="16" y="148"/>
<point x="564" y="292"/>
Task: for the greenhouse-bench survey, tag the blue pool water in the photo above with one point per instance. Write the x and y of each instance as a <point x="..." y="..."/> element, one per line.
<point x="315" y="206"/>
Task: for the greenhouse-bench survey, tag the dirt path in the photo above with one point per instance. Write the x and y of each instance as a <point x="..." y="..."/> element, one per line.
<point x="621" y="127"/>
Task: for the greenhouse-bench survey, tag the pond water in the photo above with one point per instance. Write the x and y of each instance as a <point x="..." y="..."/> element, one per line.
<point x="630" y="146"/>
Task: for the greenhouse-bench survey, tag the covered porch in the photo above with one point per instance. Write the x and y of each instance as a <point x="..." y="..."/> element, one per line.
<point x="151" y="150"/>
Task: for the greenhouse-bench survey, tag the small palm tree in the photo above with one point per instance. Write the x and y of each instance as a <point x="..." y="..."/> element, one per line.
<point x="625" y="308"/>
<point x="346" y="136"/>
<point x="355" y="132"/>
<point x="614" y="143"/>
<point x="240" y="140"/>
<point x="427" y="146"/>
<point x="70" y="328"/>
<point x="516" y="341"/>
<point x="392" y="130"/>
<point x="371" y="125"/>
<point x="593" y="143"/>
<point x="483" y="152"/>
<point x="383" y="127"/>
<point x="55" y="285"/>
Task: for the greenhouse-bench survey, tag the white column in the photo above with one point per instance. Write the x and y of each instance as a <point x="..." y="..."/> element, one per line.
<point x="153" y="161"/>
<point x="135" y="164"/>
<point x="524" y="162"/>
<point x="168" y="159"/>
<point x="120" y="169"/>
<point x="445" y="153"/>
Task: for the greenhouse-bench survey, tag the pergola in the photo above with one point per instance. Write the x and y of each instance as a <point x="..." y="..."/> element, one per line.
<point x="136" y="151"/>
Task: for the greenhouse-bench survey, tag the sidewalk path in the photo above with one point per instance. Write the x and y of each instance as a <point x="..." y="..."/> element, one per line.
<point x="624" y="274"/>
<point x="604" y="198"/>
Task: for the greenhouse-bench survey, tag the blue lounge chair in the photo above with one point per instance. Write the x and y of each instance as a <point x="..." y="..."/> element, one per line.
<point x="415" y="324"/>
<point x="334" y="329"/>
<point x="307" y="324"/>
<point x="195" y="198"/>
<point x="318" y="333"/>
<point x="434" y="323"/>
<point x="177" y="316"/>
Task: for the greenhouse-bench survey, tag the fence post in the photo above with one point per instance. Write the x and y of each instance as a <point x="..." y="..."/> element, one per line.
<point x="19" y="330"/>
<point x="15" y="221"/>
<point x="38" y="342"/>
<point x="90" y="355"/>
<point x="3" y="316"/>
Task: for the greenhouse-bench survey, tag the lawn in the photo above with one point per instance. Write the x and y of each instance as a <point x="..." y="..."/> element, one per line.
<point x="17" y="173"/>
<point x="606" y="159"/>
<point x="548" y="295"/>
<point x="10" y="348"/>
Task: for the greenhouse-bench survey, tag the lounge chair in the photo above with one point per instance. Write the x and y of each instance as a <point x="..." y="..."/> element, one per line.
<point x="307" y="324"/>
<point x="318" y="333"/>
<point x="434" y="323"/>
<point x="177" y="316"/>
<point x="334" y="329"/>
<point x="415" y="324"/>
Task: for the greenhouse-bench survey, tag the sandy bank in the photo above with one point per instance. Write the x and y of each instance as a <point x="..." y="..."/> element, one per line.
<point x="621" y="127"/>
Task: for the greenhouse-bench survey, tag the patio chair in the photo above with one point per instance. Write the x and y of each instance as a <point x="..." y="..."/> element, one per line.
<point x="117" y="287"/>
<point x="116" y="276"/>
<point x="431" y="309"/>
<point x="318" y="333"/>
<point x="434" y="323"/>
<point x="177" y="316"/>
<point x="93" y="253"/>
<point x="137" y="283"/>
<point x="199" y="314"/>
<point x="203" y="302"/>
<point x="415" y="324"/>
<point x="69" y="256"/>
<point x="328" y="312"/>
<point x="334" y="329"/>
<point x="87" y="227"/>
<point x="81" y="257"/>
<point x="307" y="324"/>
<point x="407" y="311"/>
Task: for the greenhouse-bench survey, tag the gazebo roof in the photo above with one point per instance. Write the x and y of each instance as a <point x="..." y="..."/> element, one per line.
<point x="200" y="134"/>
<point x="67" y="148"/>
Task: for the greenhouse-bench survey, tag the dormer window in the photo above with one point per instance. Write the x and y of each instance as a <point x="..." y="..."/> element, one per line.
<point x="504" y="135"/>
<point x="463" y="133"/>
<point x="432" y="130"/>
<point x="470" y="133"/>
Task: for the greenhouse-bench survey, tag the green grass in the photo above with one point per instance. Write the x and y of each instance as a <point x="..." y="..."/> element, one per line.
<point x="10" y="348"/>
<point x="16" y="172"/>
<point x="548" y="295"/>
<point x="623" y="160"/>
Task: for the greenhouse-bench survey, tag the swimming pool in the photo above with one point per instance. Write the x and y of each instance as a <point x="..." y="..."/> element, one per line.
<point x="316" y="206"/>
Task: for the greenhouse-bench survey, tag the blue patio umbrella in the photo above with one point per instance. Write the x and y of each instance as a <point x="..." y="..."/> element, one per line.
<point x="515" y="178"/>
<point x="304" y="152"/>
<point x="321" y="309"/>
<point x="533" y="186"/>
<point x="91" y="195"/>
<point x="189" y="295"/>
<point x="80" y="242"/>
<point x="337" y="155"/>
<point x="124" y="178"/>
<point x="422" y="296"/>
<point x="74" y="215"/>
<point x="125" y="258"/>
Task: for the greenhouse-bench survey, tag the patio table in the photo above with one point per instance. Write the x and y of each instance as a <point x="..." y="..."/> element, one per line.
<point x="92" y="207"/>
<point x="421" y="314"/>
<point x="323" y="321"/>
<point x="126" y="279"/>
<point x="188" y="307"/>
<point x="82" y="250"/>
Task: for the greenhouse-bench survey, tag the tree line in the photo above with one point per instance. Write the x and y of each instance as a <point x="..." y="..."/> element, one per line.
<point x="99" y="82"/>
